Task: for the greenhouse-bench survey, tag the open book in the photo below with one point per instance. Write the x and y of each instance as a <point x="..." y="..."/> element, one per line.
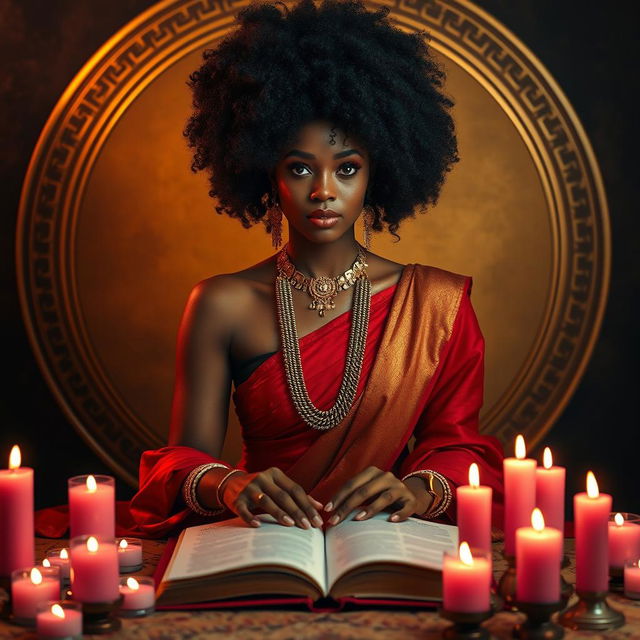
<point x="369" y="559"/>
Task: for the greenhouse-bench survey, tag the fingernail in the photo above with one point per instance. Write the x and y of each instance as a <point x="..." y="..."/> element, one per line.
<point x="334" y="519"/>
<point x="317" y="520"/>
<point x="305" y="523"/>
<point x="288" y="520"/>
<point x="328" y="506"/>
<point x="362" y="514"/>
<point x="255" y="523"/>
<point x="395" y="517"/>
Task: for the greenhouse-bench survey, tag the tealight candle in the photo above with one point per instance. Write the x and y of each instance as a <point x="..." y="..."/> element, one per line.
<point x="139" y="597"/>
<point x="58" y="620"/>
<point x="31" y="587"/>
<point x="624" y="540"/>
<point x="94" y="569"/>
<point x="92" y="506"/>
<point x="474" y="512"/>
<point x="129" y="554"/>
<point x="466" y="581"/>
<point x="59" y="558"/>
<point x="550" y="484"/>
<point x="632" y="579"/>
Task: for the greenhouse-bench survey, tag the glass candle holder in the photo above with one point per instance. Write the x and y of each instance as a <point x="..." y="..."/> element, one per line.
<point x="139" y="596"/>
<point x="624" y="538"/>
<point x="94" y="569"/>
<point x="129" y="554"/>
<point x="466" y="581"/>
<point x="29" y="588"/>
<point x="59" y="557"/>
<point x="632" y="578"/>
<point x="59" y="620"/>
<point x="92" y="506"/>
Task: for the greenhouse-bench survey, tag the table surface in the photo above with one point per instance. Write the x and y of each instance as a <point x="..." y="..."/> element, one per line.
<point x="366" y="624"/>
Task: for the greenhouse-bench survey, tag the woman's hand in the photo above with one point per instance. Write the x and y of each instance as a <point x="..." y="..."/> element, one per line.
<point x="385" y="490"/>
<point x="270" y="491"/>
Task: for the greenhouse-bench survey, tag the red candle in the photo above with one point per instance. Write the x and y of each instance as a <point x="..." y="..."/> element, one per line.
<point x="550" y="482"/>
<point x="591" y="512"/>
<point x="519" y="494"/>
<point x="17" y="542"/>
<point x="94" y="569"/>
<point x="466" y="581"/>
<point x="92" y="506"/>
<point x="624" y="541"/>
<point x="538" y="558"/>
<point x="474" y="512"/>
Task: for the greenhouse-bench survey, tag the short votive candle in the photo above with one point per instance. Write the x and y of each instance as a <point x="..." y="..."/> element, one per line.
<point x="60" y="558"/>
<point x="624" y="538"/>
<point x="466" y="581"/>
<point x="129" y="554"/>
<point x="632" y="578"/>
<point x="94" y="569"/>
<point x="59" y="620"/>
<point x="139" y="596"/>
<point x="29" y="588"/>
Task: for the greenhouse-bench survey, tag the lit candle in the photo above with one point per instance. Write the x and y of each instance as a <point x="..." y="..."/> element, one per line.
<point x="624" y="541"/>
<point x="129" y="555"/>
<point x="591" y="512"/>
<point x="94" y="569"/>
<point x="59" y="558"/>
<point x="550" y="483"/>
<point x="466" y="581"/>
<point x="474" y="511"/>
<point x="519" y="494"/>
<point x="632" y="579"/>
<point x="92" y="506"/>
<point x="138" y="593"/>
<point x="538" y="558"/>
<point x="17" y="538"/>
<point x="59" y="620"/>
<point x="31" y="587"/>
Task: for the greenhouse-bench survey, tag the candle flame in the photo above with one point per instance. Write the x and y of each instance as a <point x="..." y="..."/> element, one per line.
<point x="592" y="485"/>
<point x="474" y="475"/>
<point x="537" y="519"/>
<point x="36" y="576"/>
<point x="91" y="484"/>
<point x="92" y="544"/>
<point x="46" y="563"/>
<point x="15" y="458"/>
<point x="123" y="544"/>
<point x="64" y="554"/>
<point x="132" y="583"/>
<point x="57" y="611"/>
<point x="521" y="449"/>
<point x="465" y="554"/>
<point x="619" y="519"/>
<point x="547" y="459"/>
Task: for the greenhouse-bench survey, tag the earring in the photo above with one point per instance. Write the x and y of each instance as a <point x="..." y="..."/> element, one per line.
<point x="274" y="219"/>
<point x="367" y="220"/>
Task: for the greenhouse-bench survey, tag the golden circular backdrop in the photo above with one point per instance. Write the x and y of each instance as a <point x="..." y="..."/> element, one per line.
<point x="114" y="230"/>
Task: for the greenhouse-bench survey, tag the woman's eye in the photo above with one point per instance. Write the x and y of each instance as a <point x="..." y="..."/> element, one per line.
<point x="352" y="167"/>
<point x="295" y="167"/>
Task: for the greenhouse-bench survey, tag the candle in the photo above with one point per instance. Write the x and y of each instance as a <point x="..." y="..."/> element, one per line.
<point x="59" y="620"/>
<point x="30" y="587"/>
<point x="632" y="579"/>
<point x="94" y="569"/>
<point x="474" y="512"/>
<point x="17" y="538"/>
<point x="519" y="494"/>
<point x="92" y="506"/>
<point x="138" y="594"/>
<point x="538" y="558"/>
<point x="59" y="558"/>
<point x="591" y="512"/>
<point x="466" y="581"/>
<point x="550" y="483"/>
<point x="129" y="555"/>
<point x="624" y="540"/>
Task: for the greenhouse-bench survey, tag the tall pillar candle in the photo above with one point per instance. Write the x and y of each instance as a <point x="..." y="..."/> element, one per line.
<point x="550" y="484"/>
<point x="474" y="512"/>
<point x="591" y="514"/>
<point x="519" y="494"/>
<point x="92" y="506"/>
<point x="17" y="538"/>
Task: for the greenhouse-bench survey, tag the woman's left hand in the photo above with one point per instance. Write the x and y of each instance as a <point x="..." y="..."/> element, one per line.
<point x="385" y="491"/>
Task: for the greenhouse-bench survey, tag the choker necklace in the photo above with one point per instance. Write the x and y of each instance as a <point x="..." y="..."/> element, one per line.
<point x="312" y="416"/>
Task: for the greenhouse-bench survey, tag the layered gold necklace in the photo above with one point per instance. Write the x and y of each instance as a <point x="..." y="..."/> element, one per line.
<point x="323" y="292"/>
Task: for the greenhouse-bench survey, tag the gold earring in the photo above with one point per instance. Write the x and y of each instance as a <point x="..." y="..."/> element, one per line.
<point x="274" y="218"/>
<point x="367" y="220"/>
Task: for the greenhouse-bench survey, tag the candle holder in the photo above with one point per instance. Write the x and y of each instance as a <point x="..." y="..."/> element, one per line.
<point x="592" y="613"/>
<point x="538" y="625"/>
<point x="59" y="620"/>
<point x="101" y="617"/>
<point x="507" y="585"/>
<point x="466" y="626"/>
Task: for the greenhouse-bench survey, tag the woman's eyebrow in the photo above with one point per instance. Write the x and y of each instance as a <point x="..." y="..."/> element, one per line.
<point x="310" y="156"/>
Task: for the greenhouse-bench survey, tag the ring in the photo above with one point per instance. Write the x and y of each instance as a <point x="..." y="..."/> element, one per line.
<point x="259" y="497"/>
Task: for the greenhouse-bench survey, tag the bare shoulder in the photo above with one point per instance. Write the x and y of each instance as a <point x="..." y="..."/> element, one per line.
<point x="382" y="272"/>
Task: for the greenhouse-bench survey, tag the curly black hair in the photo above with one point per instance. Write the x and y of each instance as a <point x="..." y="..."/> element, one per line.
<point x="336" y="62"/>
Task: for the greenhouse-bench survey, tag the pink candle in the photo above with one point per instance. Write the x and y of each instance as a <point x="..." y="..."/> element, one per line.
<point x="466" y="581"/>
<point x="591" y="513"/>
<point x="550" y="482"/>
<point x="31" y="587"/>
<point x="519" y="494"/>
<point x="92" y="506"/>
<point x="129" y="554"/>
<point x="632" y="580"/>
<point x="474" y="512"/>
<point x="624" y="541"/>
<point x="138" y="594"/>
<point x="59" y="620"/>
<point x="538" y="558"/>
<point x="59" y="558"/>
<point x="17" y="543"/>
<point x="94" y="569"/>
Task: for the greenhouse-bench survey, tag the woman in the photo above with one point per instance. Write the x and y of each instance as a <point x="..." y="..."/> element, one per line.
<point x="319" y="115"/>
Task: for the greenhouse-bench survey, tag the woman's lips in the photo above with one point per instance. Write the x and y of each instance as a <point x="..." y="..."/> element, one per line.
<point x="324" y="218"/>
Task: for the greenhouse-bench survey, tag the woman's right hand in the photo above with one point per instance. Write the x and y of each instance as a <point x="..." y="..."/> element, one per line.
<point x="273" y="492"/>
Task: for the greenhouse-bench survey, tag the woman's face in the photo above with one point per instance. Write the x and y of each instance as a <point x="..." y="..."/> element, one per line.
<point x="320" y="173"/>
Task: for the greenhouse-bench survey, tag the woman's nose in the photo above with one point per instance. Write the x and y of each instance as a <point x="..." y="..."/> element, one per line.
<point x="323" y="188"/>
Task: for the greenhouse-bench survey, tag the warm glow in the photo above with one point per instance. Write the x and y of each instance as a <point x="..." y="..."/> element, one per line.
<point x="57" y="611"/>
<point x="474" y="475"/>
<point x="92" y="544"/>
<point x="132" y="583"/>
<point x="521" y="450"/>
<point x="123" y="544"/>
<point x="46" y="563"/>
<point x="64" y="554"/>
<point x="547" y="460"/>
<point x="619" y="519"/>
<point x="465" y="554"/>
<point x="91" y="484"/>
<point x="537" y="519"/>
<point x="14" y="457"/>
<point x="36" y="576"/>
<point x="592" y="485"/>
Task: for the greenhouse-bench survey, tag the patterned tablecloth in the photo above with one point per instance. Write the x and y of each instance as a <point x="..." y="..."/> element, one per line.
<point x="300" y="625"/>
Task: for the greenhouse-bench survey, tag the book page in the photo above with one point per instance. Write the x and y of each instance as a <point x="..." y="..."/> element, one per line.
<point x="232" y="544"/>
<point x="414" y="541"/>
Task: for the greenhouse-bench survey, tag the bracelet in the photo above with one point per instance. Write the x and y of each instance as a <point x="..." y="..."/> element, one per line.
<point x="445" y="503"/>
<point x="190" y="487"/>
<point x="218" y="496"/>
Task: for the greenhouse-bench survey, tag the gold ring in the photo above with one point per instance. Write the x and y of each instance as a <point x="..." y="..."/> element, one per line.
<point x="259" y="497"/>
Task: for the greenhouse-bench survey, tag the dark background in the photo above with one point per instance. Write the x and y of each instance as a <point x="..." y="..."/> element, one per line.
<point x="589" y="48"/>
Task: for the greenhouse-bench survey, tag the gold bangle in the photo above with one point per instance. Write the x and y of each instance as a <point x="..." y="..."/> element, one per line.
<point x="435" y="508"/>
<point x="218" y="496"/>
<point x="190" y="487"/>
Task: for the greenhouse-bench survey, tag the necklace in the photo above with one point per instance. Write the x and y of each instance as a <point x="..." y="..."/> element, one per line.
<point x="314" y="417"/>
